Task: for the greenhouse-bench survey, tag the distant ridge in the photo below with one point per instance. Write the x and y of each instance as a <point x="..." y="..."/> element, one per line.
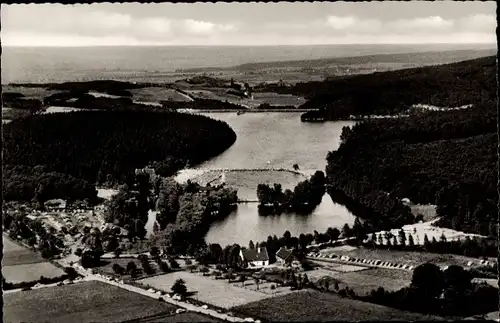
<point x="419" y="58"/>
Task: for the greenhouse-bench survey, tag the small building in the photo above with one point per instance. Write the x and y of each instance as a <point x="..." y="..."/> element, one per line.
<point x="256" y="257"/>
<point x="57" y="204"/>
<point x="284" y="256"/>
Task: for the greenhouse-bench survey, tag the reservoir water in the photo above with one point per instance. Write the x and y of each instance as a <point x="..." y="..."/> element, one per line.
<point x="272" y="141"/>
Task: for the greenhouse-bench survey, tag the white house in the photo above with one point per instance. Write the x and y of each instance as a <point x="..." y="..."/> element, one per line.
<point x="256" y="257"/>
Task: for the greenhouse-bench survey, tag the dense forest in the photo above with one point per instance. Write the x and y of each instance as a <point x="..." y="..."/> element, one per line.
<point x="451" y="85"/>
<point x="129" y="207"/>
<point x="305" y="197"/>
<point x="186" y="213"/>
<point x="107" y="147"/>
<point x="26" y="183"/>
<point x="443" y="158"/>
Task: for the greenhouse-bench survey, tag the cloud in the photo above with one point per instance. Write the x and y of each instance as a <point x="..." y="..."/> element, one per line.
<point x="420" y="25"/>
<point x="93" y="24"/>
<point x="341" y="23"/>
<point x="479" y="22"/>
<point x="197" y="27"/>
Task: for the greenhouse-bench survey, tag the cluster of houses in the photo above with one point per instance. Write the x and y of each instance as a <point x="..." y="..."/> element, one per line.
<point x="259" y="258"/>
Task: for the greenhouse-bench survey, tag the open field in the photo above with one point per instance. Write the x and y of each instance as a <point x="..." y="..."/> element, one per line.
<point x="17" y="254"/>
<point x="428" y="211"/>
<point x="419" y="230"/>
<point x="322" y="307"/>
<point x="21" y="264"/>
<point x="30" y="272"/>
<point x="403" y="257"/>
<point x="363" y="282"/>
<point x="177" y="318"/>
<point x="208" y="290"/>
<point x="157" y="94"/>
<point x="86" y="302"/>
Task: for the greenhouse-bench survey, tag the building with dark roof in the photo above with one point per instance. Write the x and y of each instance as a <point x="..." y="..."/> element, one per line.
<point x="284" y="256"/>
<point x="255" y="257"/>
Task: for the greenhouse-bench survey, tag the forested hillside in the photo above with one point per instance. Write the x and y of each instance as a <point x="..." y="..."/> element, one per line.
<point x="443" y="158"/>
<point x="450" y="85"/>
<point x="107" y="146"/>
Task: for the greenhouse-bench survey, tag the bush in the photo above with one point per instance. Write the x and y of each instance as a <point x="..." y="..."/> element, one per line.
<point x="174" y="264"/>
<point x="118" y="269"/>
<point x="78" y="252"/>
<point x="161" y="299"/>
<point x="143" y="258"/>
<point x="273" y="287"/>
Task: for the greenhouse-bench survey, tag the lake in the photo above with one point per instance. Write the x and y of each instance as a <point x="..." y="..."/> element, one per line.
<point x="272" y="141"/>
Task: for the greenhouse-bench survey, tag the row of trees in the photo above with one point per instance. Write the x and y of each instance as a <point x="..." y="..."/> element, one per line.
<point x="305" y="197"/>
<point x="115" y="145"/>
<point x="467" y="247"/>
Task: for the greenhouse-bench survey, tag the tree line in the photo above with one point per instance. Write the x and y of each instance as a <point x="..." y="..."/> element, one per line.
<point x="469" y="247"/>
<point x="305" y="197"/>
<point x="115" y="145"/>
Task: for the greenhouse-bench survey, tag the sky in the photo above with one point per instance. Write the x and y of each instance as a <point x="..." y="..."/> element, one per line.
<point x="236" y="24"/>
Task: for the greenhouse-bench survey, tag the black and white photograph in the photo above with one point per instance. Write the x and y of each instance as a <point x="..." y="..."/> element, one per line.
<point x="249" y="162"/>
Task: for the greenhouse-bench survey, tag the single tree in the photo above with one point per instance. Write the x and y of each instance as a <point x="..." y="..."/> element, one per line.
<point x="117" y="269"/>
<point x="154" y="252"/>
<point x="411" y="243"/>
<point x="179" y="288"/>
<point x="251" y="245"/>
<point x="243" y="278"/>
<point x="257" y="281"/>
<point x="131" y="266"/>
<point x="428" y="279"/>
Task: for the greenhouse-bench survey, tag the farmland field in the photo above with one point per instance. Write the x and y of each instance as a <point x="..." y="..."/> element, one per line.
<point x="321" y="307"/>
<point x="177" y="318"/>
<point x="21" y="264"/>
<point x="157" y="94"/>
<point x="16" y="254"/>
<point x="86" y="302"/>
<point x="30" y="272"/>
<point x="363" y="282"/>
<point x="208" y="290"/>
